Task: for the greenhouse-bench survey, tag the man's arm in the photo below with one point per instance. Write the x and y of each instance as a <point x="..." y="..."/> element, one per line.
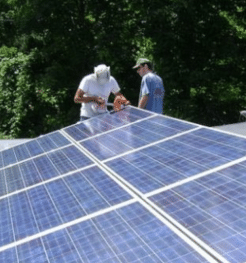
<point x="79" y="98"/>
<point x="143" y="101"/>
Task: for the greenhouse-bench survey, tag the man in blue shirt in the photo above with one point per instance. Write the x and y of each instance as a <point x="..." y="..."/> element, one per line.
<point x="152" y="90"/>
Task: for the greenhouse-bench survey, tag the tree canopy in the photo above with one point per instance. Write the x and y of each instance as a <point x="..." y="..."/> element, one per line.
<point x="198" y="48"/>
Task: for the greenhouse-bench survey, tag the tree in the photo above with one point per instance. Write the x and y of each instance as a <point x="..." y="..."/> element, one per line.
<point x="196" y="46"/>
<point x="201" y="58"/>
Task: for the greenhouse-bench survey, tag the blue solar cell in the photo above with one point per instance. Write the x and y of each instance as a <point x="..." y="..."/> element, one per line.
<point x="32" y="251"/>
<point x="154" y="130"/>
<point x="30" y="173"/>
<point x="65" y="202"/>
<point x="78" y="159"/>
<point x="173" y="123"/>
<point x="76" y="133"/>
<point x="45" y="168"/>
<point x="8" y="256"/>
<point x="14" y="179"/>
<point x="137" y="112"/>
<point x="59" y="248"/>
<point x="89" y="198"/>
<point x="22" y="217"/>
<point x="1" y="160"/>
<point x="6" y="231"/>
<point x="46" y="143"/>
<point x="34" y="148"/>
<point x="61" y="162"/>
<point x="2" y="183"/>
<point x="135" y="131"/>
<point x="236" y="172"/>
<point x="21" y="152"/>
<point x="113" y="144"/>
<point x="100" y="151"/>
<point x="91" y="244"/>
<point x="84" y="129"/>
<point x="138" y="178"/>
<point x="9" y="157"/>
<point x="126" y="135"/>
<point x="46" y="215"/>
<point x="69" y="159"/>
<point x="126" y="116"/>
<point x="165" y="126"/>
<point x="58" y="139"/>
<point x="108" y="189"/>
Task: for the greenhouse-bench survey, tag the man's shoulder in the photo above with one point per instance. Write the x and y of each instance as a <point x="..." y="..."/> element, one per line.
<point x="112" y="79"/>
<point x="90" y="77"/>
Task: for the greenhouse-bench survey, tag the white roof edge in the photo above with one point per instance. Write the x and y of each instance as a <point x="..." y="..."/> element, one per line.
<point x="236" y="128"/>
<point x="5" y="144"/>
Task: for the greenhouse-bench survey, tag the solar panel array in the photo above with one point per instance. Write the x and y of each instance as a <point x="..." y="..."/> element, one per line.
<point x="133" y="186"/>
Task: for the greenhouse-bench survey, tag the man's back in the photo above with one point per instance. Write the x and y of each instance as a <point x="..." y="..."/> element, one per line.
<point x="152" y="85"/>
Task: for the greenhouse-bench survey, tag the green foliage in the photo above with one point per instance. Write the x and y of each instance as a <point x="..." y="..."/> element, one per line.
<point x="26" y="102"/>
<point x="47" y="47"/>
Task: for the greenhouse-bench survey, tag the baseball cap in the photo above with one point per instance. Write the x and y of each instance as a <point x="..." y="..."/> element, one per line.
<point x="141" y="61"/>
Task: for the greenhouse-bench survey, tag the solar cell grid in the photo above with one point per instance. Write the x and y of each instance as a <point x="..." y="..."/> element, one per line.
<point x="8" y="157"/>
<point x="104" y="123"/>
<point x="90" y="218"/>
<point x="131" y="137"/>
<point x="1" y="160"/>
<point x="8" y="256"/>
<point x="30" y="174"/>
<point x="170" y="161"/>
<point x="128" y="234"/>
<point x="2" y="183"/>
<point x="21" y="152"/>
<point x="224" y="145"/>
<point x="214" y="209"/>
<point x="13" y="178"/>
<point x="32" y="148"/>
<point x="223" y="138"/>
<point x="43" y="168"/>
<point x="57" y="202"/>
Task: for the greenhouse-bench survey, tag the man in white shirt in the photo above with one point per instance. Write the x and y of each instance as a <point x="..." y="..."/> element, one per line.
<point x="94" y="91"/>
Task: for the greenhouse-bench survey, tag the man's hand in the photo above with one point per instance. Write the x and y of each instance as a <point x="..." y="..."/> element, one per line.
<point x="100" y="101"/>
<point x="119" y="101"/>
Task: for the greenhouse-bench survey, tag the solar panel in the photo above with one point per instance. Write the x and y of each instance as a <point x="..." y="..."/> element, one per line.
<point x="212" y="208"/>
<point x="133" y="186"/>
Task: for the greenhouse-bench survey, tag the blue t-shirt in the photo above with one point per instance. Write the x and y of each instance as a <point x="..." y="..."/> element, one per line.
<point x="152" y="85"/>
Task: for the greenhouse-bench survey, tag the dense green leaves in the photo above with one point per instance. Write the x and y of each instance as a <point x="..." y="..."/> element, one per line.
<point x="47" y="47"/>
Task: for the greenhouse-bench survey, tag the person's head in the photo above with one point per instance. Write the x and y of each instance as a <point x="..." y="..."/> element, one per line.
<point x="102" y="73"/>
<point x="143" y="66"/>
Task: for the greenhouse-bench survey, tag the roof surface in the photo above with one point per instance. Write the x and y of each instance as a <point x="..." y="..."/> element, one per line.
<point x="5" y="144"/>
<point x="237" y="128"/>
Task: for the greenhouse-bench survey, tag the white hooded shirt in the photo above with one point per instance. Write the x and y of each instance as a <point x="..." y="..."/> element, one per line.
<point x="91" y="87"/>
